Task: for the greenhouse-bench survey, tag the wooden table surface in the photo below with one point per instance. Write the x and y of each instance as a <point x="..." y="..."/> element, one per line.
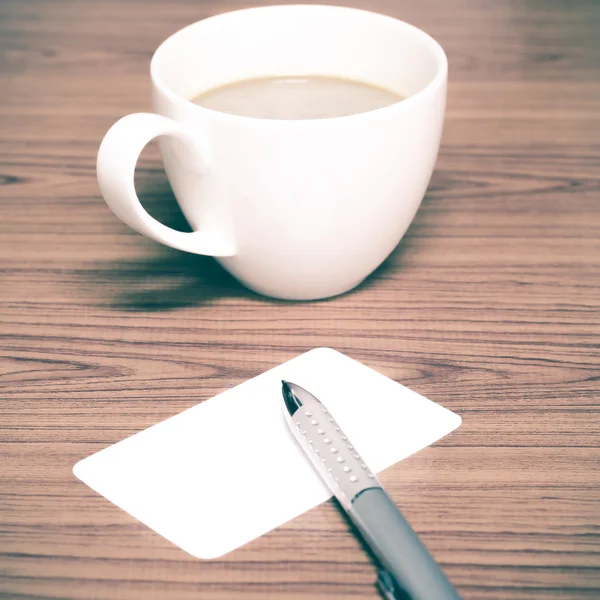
<point x="490" y="306"/>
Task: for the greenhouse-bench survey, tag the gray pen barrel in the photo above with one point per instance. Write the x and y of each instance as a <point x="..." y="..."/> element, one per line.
<point x="398" y="547"/>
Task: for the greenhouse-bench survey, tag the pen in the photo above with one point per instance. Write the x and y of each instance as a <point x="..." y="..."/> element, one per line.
<point x="407" y="569"/>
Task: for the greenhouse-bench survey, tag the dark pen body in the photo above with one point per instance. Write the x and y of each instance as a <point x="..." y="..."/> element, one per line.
<point x="408" y="570"/>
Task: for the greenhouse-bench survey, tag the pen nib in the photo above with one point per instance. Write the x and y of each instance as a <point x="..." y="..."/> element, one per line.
<point x="292" y="402"/>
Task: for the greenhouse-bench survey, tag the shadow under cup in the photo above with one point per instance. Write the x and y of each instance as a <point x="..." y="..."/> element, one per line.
<point x="307" y="208"/>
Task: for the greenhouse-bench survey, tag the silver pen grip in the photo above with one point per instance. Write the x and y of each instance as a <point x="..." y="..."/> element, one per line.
<point x="331" y="452"/>
<point x="398" y="548"/>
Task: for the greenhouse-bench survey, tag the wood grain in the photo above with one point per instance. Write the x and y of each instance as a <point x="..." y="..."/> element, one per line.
<point x="490" y="306"/>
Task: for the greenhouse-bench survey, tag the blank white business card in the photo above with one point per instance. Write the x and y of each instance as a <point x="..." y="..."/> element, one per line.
<point x="228" y="470"/>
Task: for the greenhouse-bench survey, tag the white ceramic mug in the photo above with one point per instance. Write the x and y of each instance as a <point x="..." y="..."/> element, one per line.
<point x="296" y="209"/>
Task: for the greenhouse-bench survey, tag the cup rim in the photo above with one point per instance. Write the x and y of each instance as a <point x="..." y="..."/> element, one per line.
<point x="438" y="79"/>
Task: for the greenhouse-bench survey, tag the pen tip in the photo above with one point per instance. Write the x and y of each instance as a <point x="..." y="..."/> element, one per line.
<point x="292" y="402"/>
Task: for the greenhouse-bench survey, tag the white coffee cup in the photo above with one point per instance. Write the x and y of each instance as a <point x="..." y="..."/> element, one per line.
<point x="295" y="209"/>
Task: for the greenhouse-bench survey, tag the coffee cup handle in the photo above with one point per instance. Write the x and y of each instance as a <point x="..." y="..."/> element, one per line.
<point x="117" y="159"/>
